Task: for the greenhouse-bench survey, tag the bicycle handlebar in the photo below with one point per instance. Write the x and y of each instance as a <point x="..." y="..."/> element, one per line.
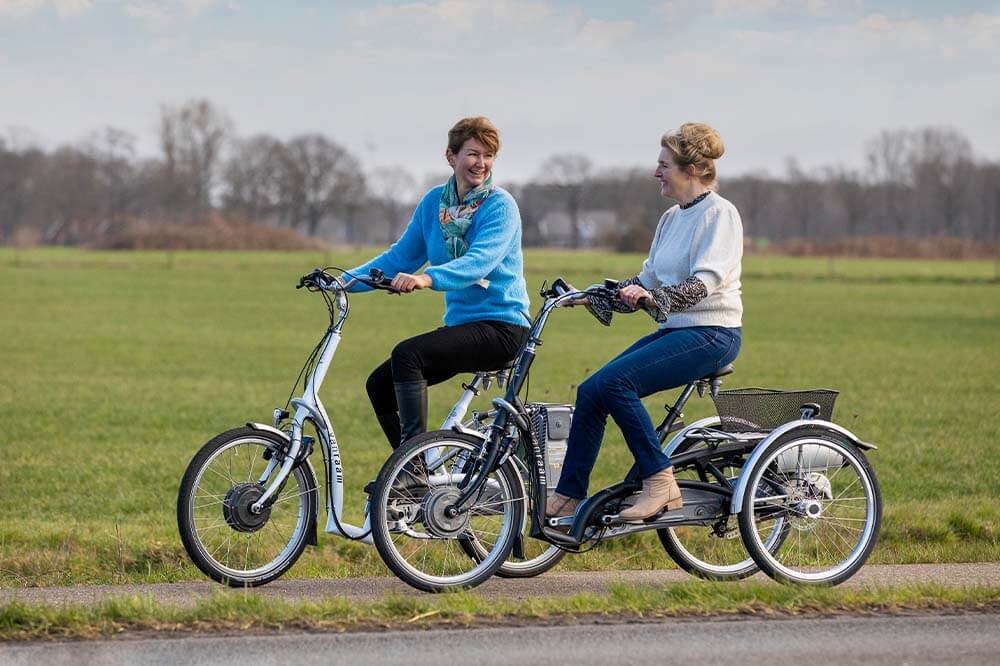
<point x="608" y="290"/>
<point x="318" y="279"/>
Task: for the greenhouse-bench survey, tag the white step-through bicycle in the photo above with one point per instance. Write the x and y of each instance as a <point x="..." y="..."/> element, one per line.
<point x="249" y="500"/>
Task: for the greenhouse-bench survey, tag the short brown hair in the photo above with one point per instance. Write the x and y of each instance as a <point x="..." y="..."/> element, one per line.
<point x="698" y="145"/>
<point x="477" y="127"/>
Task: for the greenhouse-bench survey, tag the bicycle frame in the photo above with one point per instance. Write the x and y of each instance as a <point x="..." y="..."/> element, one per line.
<point x="309" y="409"/>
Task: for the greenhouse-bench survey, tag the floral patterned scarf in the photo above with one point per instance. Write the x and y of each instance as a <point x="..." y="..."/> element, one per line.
<point x="456" y="216"/>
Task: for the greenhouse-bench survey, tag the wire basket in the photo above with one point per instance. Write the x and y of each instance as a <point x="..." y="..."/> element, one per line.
<point x="761" y="409"/>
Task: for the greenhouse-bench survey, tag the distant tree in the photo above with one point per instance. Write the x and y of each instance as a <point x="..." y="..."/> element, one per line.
<point x="751" y="196"/>
<point x="251" y="177"/>
<point x="68" y="197"/>
<point x="940" y="161"/>
<point x="321" y="178"/>
<point x="803" y="193"/>
<point x="568" y="173"/>
<point x="889" y="165"/>
<point x="192" y="138"/>
<point x="19" y="170"/>
<point x="395" y="190"/>
<point x="988" y="189"/>
<point x="852" y="194"/>
<point x="432" y="180"/>
<point x="113" y="152"/>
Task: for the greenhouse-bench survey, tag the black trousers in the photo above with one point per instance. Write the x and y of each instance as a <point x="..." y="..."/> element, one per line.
<point x="441" y="354"/>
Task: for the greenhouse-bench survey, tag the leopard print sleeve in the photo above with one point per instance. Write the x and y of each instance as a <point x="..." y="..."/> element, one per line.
<point x="676" y="297"/>
<point x="618" y="305"/>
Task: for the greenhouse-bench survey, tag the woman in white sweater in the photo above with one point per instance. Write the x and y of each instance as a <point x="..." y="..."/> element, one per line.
<point x="690" y="284"/>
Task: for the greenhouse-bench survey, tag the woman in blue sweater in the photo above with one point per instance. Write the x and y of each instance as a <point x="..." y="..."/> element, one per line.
<point x="469" y="231"/>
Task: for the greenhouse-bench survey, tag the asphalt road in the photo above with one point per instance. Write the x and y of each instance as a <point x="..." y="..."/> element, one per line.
<point x="553" y="583"/>
<point x="963" y="639"/>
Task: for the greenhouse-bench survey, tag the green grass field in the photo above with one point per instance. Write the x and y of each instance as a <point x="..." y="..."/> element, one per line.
<point x="116" y="367"/>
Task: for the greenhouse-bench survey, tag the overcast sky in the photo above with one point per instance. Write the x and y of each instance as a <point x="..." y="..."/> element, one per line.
<point x="812" y="79"/>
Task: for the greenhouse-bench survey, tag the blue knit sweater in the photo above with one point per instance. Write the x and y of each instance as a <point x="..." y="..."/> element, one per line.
<point x="493" y="259"/>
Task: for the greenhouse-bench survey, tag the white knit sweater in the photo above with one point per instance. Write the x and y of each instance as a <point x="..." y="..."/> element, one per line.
<point x="704" y="241"/>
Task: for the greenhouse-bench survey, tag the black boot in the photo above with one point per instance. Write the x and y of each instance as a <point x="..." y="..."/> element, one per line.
<point x="411" y="398"/>
<point x="390" y="426"/>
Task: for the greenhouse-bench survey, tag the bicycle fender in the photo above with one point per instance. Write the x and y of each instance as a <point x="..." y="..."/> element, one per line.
<point x="462" y="430"/>
<point x="823" y="425"/>
<point x="679" y="436"/>
<point x="270" y="429"/>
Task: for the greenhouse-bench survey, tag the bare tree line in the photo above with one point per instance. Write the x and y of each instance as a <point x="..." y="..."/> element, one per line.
<point x="921" y="183"/>
<point x="916" y="184"/>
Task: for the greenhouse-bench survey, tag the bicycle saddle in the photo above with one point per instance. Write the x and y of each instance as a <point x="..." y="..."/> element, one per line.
<point x="727" y="369"/>
<point x="506" y="366"/>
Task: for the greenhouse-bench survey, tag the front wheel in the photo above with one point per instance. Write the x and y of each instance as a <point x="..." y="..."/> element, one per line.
<point x="824" y="488"/>
<point x="528" y="557"/>
<point x="412" y="529"/>
<point x="223" y="536"/>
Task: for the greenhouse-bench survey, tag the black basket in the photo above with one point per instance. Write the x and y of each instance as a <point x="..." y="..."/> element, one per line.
<point x="761" y="410"/>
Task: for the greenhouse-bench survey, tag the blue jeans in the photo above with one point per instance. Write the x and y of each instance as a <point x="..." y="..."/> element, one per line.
<point x="659" y="361"/>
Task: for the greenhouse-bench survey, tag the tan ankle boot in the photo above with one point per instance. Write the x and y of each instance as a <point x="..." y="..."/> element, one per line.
<point x="558" y="506"/>
<point x="658" y="491"/>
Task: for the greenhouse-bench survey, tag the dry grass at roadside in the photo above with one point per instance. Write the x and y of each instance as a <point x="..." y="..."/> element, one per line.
<point x="251" y="613"/>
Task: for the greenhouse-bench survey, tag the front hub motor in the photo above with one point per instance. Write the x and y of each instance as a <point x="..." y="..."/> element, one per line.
<point x="236" y="507"/>
<point x="436" y="515"/>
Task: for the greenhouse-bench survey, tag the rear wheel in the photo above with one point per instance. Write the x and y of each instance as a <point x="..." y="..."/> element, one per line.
<point x="222" y="535"/>
<point x="828" y="494"/>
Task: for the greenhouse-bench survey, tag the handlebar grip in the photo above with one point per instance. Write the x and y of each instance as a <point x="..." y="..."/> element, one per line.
<point x="314" y="278"/>
<point x="377" y="280"/>
<point x="559" y="287"/>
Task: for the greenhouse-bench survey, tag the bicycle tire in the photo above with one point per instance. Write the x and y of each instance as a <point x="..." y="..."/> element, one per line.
<point x="212" y="517"/>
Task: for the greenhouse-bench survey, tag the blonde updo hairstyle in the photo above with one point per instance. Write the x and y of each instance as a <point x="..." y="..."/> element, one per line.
<point x="696" y="145"/>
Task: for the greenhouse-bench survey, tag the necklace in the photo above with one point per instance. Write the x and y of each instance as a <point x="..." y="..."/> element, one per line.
<point x="696" y="200"/>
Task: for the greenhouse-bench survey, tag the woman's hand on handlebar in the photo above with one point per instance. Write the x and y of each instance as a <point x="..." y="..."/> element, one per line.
<point x="633" y="296"/>
<point x="405" y="282"/>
